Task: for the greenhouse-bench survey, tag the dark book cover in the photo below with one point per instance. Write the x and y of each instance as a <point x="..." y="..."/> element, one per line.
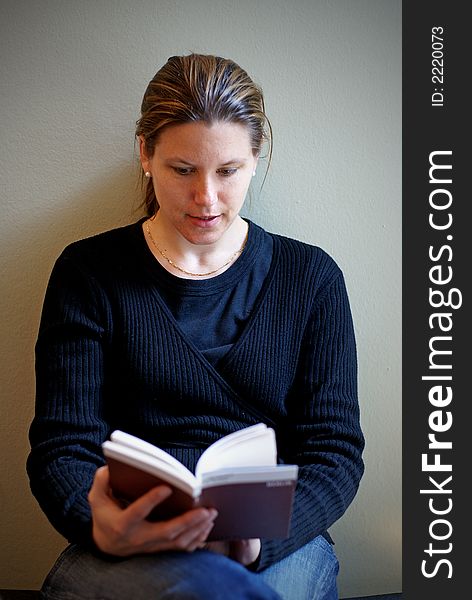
<point x="255" y="509"/>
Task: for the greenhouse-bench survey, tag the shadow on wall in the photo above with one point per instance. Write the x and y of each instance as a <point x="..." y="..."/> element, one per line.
<point x="29" y="543"/>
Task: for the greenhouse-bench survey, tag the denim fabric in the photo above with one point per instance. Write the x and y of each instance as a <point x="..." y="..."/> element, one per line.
<point x="309" y="573"/>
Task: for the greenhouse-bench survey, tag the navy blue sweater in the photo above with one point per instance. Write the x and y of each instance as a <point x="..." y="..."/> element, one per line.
<point x="110" y="355"/>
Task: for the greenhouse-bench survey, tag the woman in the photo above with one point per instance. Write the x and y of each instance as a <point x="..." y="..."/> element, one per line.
<point x="181" y="328"/>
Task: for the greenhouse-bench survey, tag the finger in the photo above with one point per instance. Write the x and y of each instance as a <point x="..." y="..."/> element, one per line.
<point x="161" y="537"/>
<point x="219" y="547"/>
<point x="190" y="520"/>
<point x="140" y="509"/>
<point x="100" y="485"/>
<point x="191" y="539"/>
<point x="194" y="538"/>
<point x="102" y="476"/>
<point x="245" y="551"/>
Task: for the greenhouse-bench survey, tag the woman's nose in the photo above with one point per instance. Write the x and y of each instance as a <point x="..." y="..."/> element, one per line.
<point x="205" y="192"/>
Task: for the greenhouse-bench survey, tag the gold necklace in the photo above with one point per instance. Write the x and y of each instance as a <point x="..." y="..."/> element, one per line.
<point x="172" y="263"/>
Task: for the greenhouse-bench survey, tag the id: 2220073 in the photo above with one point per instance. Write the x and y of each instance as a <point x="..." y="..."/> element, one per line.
<point x="437" y="62"/>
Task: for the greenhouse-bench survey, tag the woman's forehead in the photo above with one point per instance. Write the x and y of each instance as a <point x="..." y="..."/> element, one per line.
<point x="225" y="141"/>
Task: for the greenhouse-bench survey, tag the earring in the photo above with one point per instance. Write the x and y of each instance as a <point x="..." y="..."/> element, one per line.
<point x="147" y="174"/>
<point x="254" y="173"/>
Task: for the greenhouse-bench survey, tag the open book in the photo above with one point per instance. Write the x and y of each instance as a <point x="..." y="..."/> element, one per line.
<point x="238" y="475"/>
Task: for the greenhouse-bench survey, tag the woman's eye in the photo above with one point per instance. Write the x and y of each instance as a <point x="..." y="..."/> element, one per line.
<point x="189" y="170"/>
<point x="183" y="170"/>
<point x="227" y="172"/>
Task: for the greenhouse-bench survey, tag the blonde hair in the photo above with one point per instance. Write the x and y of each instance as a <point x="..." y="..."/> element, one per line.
<point x="200" y="87"/>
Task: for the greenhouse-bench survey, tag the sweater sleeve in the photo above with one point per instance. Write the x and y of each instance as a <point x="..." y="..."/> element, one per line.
<point x="322" y="431"/>
<point x="68" y="427"/>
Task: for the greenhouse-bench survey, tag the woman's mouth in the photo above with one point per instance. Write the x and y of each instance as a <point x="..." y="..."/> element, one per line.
<point x="204" y="221"/>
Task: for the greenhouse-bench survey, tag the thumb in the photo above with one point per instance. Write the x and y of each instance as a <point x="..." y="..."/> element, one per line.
<point x="100" y="485"/>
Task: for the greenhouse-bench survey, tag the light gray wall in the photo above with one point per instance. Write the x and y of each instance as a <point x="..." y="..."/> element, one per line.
<point x="72" y="77"/>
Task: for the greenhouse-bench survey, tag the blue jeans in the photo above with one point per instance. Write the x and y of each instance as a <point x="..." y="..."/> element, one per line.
<point x="307" y="574"/>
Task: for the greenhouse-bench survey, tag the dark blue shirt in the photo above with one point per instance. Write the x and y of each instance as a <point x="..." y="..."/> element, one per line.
<point x="212" y="312"/>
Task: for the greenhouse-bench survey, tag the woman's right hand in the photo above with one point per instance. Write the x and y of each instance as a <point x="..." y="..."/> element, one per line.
<point x="125" y="531"/>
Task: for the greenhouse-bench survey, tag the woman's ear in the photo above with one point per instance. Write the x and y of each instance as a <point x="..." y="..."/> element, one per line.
<point x="145" y="161"/>
<point x="255" y="165"/>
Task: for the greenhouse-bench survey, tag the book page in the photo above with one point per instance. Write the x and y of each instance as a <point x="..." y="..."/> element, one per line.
<point x="249" y="447"/>
<point x="183" y="479"/>
<point x="131" y="441"/>
<point x="272" y="476"/>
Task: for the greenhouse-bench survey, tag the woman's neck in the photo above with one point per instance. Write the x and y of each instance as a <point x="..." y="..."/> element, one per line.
<point x="190" y="260"/>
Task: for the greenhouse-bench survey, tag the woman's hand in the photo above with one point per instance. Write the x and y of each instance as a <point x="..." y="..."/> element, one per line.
<point x="243" y="551"/>
<point x="125" y="531"/>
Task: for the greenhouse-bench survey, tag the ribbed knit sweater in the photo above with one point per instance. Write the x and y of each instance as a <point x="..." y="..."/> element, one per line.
<point x="110" y="355"/>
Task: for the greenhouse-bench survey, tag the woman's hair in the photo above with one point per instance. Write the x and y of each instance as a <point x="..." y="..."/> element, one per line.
<point x="204" y="88"/>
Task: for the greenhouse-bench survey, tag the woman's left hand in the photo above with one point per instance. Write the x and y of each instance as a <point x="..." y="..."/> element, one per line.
<point x="243" y="551"/>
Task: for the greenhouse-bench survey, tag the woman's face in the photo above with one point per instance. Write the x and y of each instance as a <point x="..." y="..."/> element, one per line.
<point x="201" y="174"/>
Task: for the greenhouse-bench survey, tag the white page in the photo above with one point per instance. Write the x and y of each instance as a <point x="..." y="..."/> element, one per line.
<point x="237" y="475"/>
<point x="252" y="446"/>
<point x="147" y="463"/>
<point x="131" y="441"/>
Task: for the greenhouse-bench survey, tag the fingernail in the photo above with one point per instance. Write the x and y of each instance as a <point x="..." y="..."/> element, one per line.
<point x="208" y="529"/>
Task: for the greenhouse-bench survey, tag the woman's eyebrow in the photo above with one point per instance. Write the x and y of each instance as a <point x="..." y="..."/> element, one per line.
<point x="178" y="159"/>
